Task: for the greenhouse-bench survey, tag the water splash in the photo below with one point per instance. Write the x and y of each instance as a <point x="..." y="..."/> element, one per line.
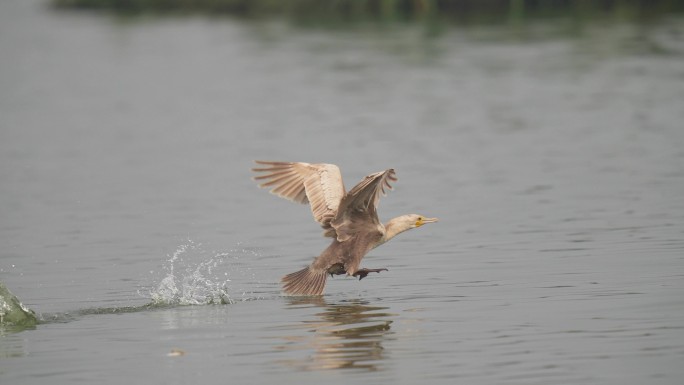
<point x="195" y="276"/>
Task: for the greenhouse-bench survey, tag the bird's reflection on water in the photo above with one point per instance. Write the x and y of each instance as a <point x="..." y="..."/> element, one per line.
<point x="342" y="335"/>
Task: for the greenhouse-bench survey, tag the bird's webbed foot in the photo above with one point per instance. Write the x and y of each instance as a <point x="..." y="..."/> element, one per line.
<point x="362" y="273"/>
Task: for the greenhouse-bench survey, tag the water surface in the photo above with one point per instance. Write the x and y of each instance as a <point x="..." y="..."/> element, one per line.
<point x="555" y="163"/>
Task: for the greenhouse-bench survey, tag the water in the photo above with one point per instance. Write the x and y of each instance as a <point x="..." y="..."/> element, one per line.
<point x="555" y="163"/>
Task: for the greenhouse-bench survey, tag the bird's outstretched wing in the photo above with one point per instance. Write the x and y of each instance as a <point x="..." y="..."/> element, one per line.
<point x="318" y="184"/>
<point x="358" y="209"/>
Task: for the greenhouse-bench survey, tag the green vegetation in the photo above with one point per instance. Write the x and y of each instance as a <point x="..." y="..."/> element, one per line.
<point x="459" y="11"/>
<point x="12" y="312"/>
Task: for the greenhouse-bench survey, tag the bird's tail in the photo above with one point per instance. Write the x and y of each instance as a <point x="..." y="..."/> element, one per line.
<point x="307" y="281"/>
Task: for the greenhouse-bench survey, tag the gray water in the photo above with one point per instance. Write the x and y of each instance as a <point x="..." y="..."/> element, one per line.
<point x="129" y="223"/>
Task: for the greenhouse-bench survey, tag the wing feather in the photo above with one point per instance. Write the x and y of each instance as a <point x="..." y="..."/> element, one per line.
<point x="319" y="184"/>
<point x="358" y="208"/>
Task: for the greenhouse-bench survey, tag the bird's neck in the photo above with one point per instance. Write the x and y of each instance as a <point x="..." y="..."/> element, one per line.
<point x="394" y="227"/>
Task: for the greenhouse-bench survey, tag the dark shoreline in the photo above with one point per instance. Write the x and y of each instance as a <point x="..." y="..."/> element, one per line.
<point x="450" y="11"/>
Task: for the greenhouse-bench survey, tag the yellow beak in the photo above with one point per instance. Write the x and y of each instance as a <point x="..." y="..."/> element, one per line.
<point x="423" y="221"/>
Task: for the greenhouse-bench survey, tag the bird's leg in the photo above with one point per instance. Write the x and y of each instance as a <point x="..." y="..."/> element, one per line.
<point x="362" y="273"/>
<point x="336" y="269"/>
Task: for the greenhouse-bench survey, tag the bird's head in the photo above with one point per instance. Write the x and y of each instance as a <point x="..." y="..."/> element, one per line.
<point x="405" y="222"/>
<point x="417" y="220"/>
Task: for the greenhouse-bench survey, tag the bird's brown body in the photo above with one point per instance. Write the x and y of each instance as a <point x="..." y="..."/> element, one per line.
<point x="348" y="217"/>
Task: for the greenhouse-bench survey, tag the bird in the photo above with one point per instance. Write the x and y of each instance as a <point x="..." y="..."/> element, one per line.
<point x="349" y="217"/>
